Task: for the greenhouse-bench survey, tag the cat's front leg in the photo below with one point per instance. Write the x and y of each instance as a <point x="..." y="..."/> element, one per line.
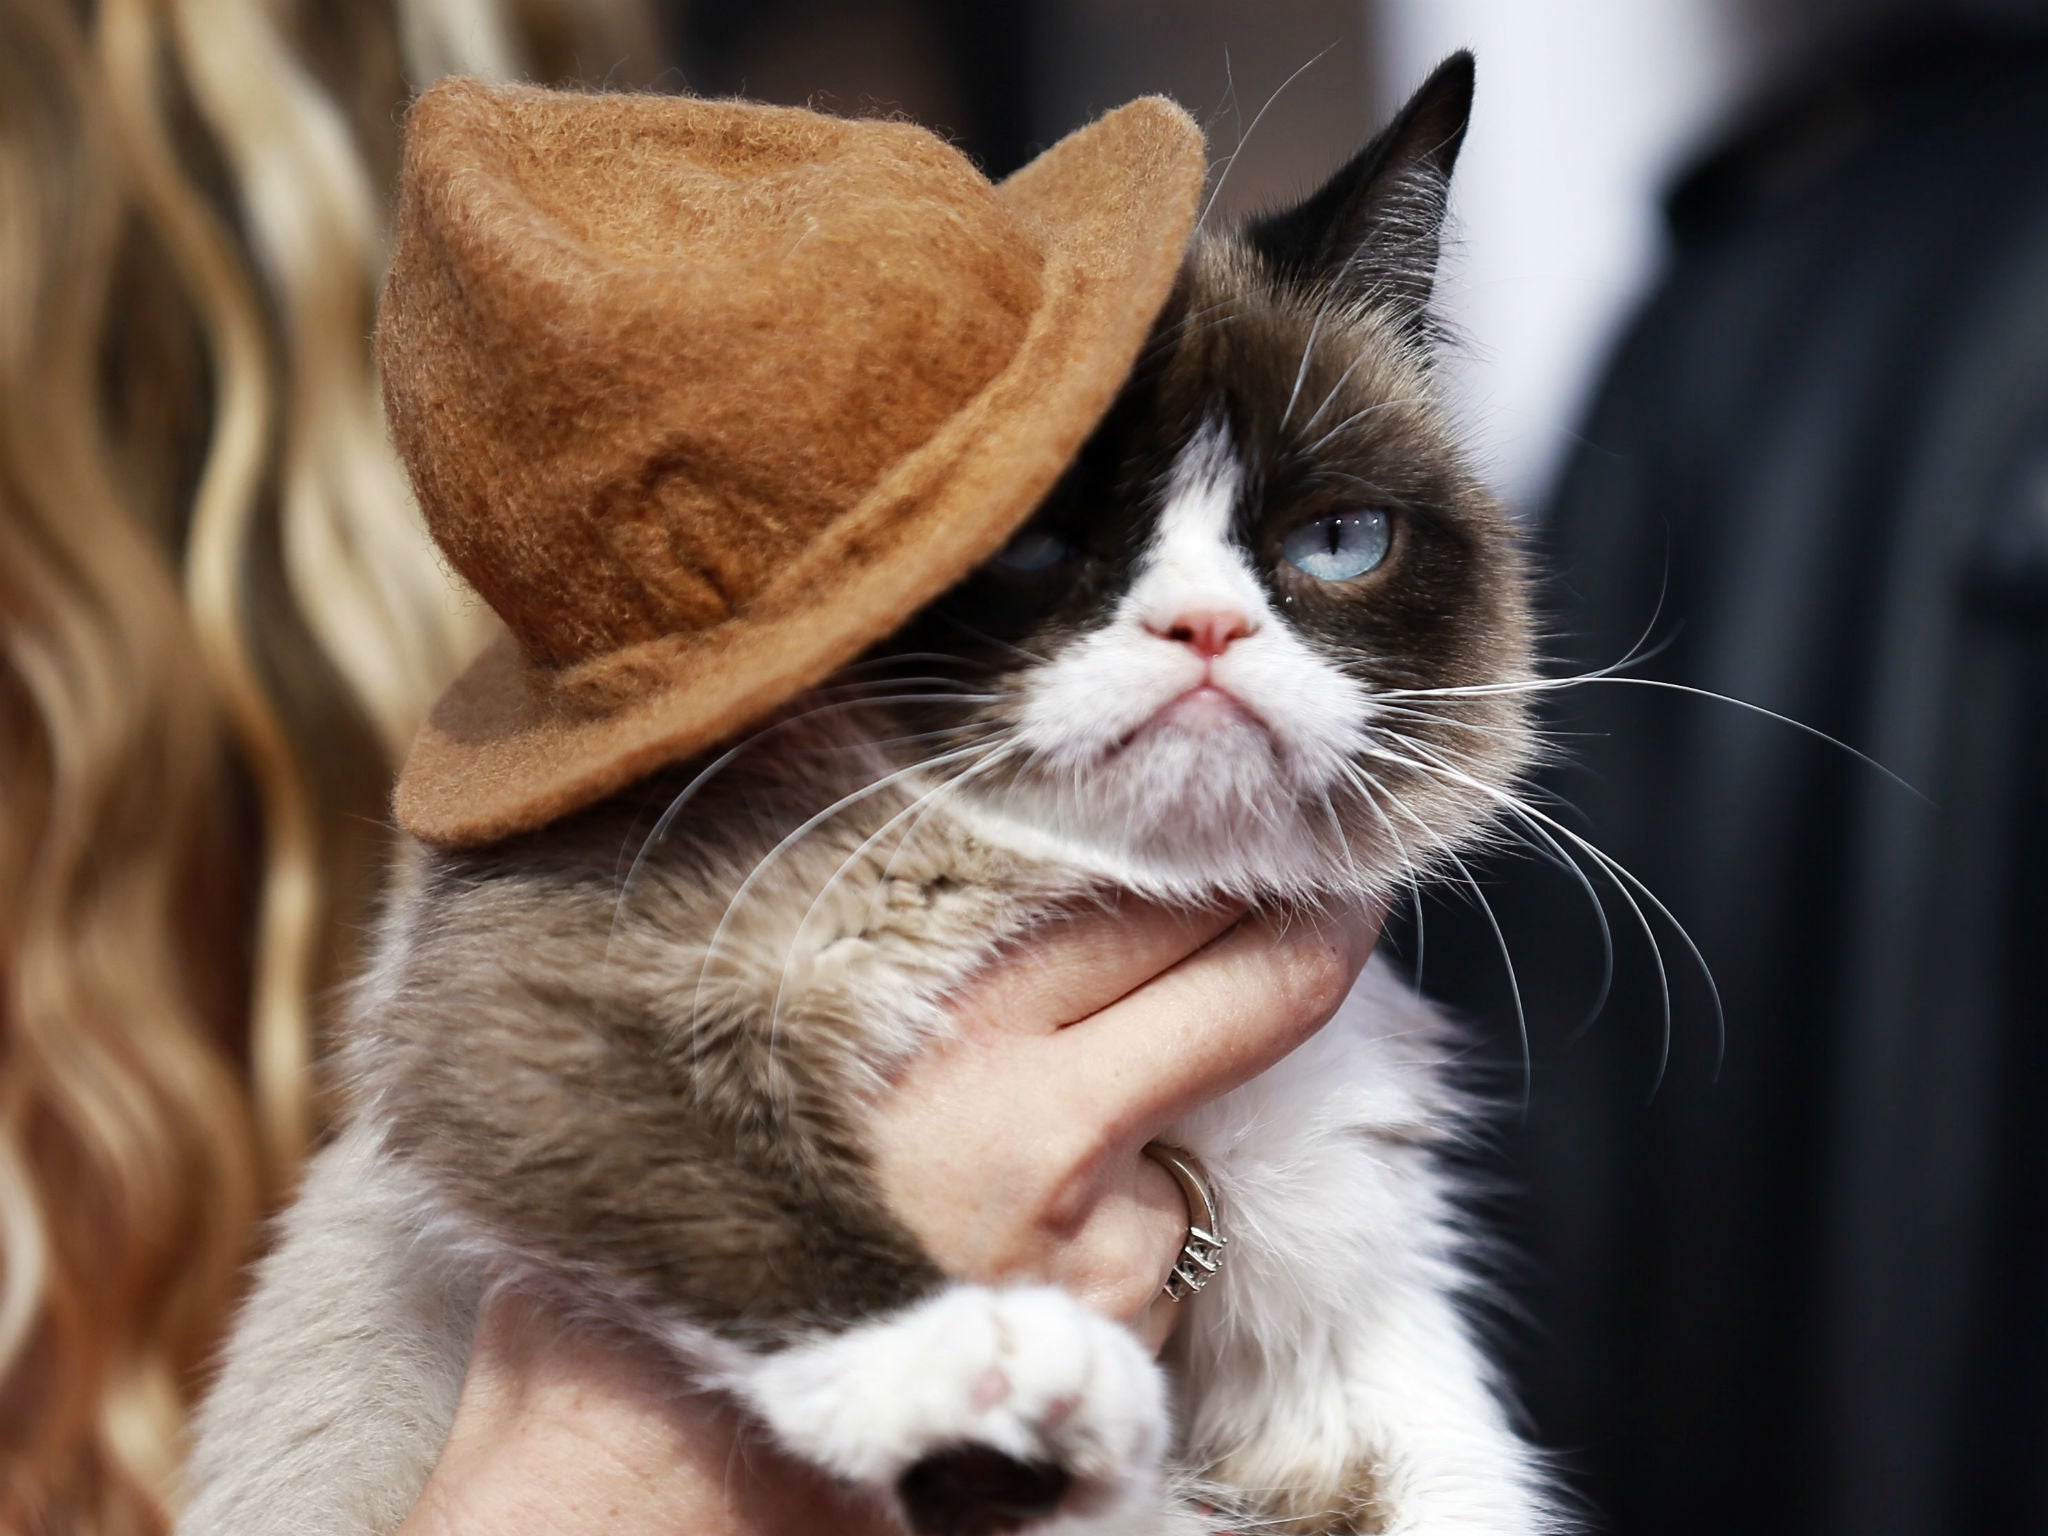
<point x="1334" y="1383"/>
<point x="340" y="1380"/>
<point x="1426" y="1450"/>
<point x="977" y="1410"/>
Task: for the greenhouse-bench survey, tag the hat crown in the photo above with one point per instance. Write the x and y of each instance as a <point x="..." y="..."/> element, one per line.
<point x="640" y="353"/>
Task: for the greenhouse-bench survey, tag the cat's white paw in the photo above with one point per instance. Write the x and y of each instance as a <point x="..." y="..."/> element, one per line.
<point x="979" y="1410"/>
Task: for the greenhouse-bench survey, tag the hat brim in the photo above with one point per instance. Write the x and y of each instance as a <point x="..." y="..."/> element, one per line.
<point x="510" y="746"/>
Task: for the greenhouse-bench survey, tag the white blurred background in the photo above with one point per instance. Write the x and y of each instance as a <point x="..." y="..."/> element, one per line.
<point x="1585" y="110"/>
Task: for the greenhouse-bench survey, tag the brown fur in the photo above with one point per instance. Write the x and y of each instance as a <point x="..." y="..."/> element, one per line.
<point x="1355" y="1507"/>
<point x="538" y="1048"/>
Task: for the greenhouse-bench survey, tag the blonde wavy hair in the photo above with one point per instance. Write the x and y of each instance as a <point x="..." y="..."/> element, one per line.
<point x="219" y="624"/>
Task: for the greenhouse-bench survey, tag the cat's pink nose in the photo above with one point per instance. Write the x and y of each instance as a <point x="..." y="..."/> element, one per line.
<point x="1206" y="631"/>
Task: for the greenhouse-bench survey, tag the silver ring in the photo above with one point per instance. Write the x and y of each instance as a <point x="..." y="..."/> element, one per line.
<point x="1202" y="1254"/>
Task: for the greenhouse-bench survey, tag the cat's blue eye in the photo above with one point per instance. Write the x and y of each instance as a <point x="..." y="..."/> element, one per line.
<point x="1339" y="546"/>
<point x="1033" y="552"/>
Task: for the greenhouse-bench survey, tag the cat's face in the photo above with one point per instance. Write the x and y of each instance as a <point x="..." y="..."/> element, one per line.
<point x="1212" y="658"/>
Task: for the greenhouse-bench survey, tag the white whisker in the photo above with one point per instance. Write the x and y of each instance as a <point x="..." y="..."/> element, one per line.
<point x="789" y="840"/>
<point x="1605" y="675"/>
<point x="724" y="760"/>
<point x="1421" y="937"/>
<point x="1308" y="351"/>
<point x="928" y="798"/>
<point x="1355" y="418"/>
<point x="1001" y="751"/>
<point x="1342" y="379"/>
<point x="1514" y="981"/>
<point x="1624" y="881"/>
<point x="1259" y="117"/>
<point x="1445" y="851"/>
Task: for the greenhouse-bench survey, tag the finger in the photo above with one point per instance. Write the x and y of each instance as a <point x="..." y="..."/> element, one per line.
<point x="1161" y="1318"/>
<point x="1166" y="1217"/>
<point x="1117" y="1258"/>
<point x="1217" y="1019"/>
<point x="1083" y="961"/>
<point x="1131" y="1239"/>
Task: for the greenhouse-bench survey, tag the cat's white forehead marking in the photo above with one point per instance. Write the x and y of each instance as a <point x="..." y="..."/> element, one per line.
<point x="1192" y="562"/>
<point x="1202" y="490"/>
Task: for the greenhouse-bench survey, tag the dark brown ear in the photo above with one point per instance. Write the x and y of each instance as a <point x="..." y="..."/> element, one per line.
<point x="1371" y="232"/>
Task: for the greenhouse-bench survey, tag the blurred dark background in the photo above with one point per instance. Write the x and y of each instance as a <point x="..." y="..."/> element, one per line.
<point x="1753" y="308"/>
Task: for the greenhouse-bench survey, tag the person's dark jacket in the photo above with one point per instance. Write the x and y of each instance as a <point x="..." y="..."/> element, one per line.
<point x="1804" y="1289"/>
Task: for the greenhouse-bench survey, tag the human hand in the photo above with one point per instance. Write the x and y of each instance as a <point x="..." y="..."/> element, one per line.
<point x="564" y="1431"/>
<point x="1013" y="1150"/>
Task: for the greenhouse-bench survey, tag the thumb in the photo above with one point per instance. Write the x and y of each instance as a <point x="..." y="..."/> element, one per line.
<point x="1218" y="1018"/>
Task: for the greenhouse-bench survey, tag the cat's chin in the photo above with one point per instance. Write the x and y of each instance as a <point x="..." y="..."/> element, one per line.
<point x="1179" y="829"/>
<point x="1199" y="870"/>
<point x="1204" y="714"/>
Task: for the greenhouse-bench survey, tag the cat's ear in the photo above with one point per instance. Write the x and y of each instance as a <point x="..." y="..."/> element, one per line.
<point x="1372" y="231"/>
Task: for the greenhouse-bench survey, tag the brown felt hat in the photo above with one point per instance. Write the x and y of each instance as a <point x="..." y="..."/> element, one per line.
<point x="705" y="398"/>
